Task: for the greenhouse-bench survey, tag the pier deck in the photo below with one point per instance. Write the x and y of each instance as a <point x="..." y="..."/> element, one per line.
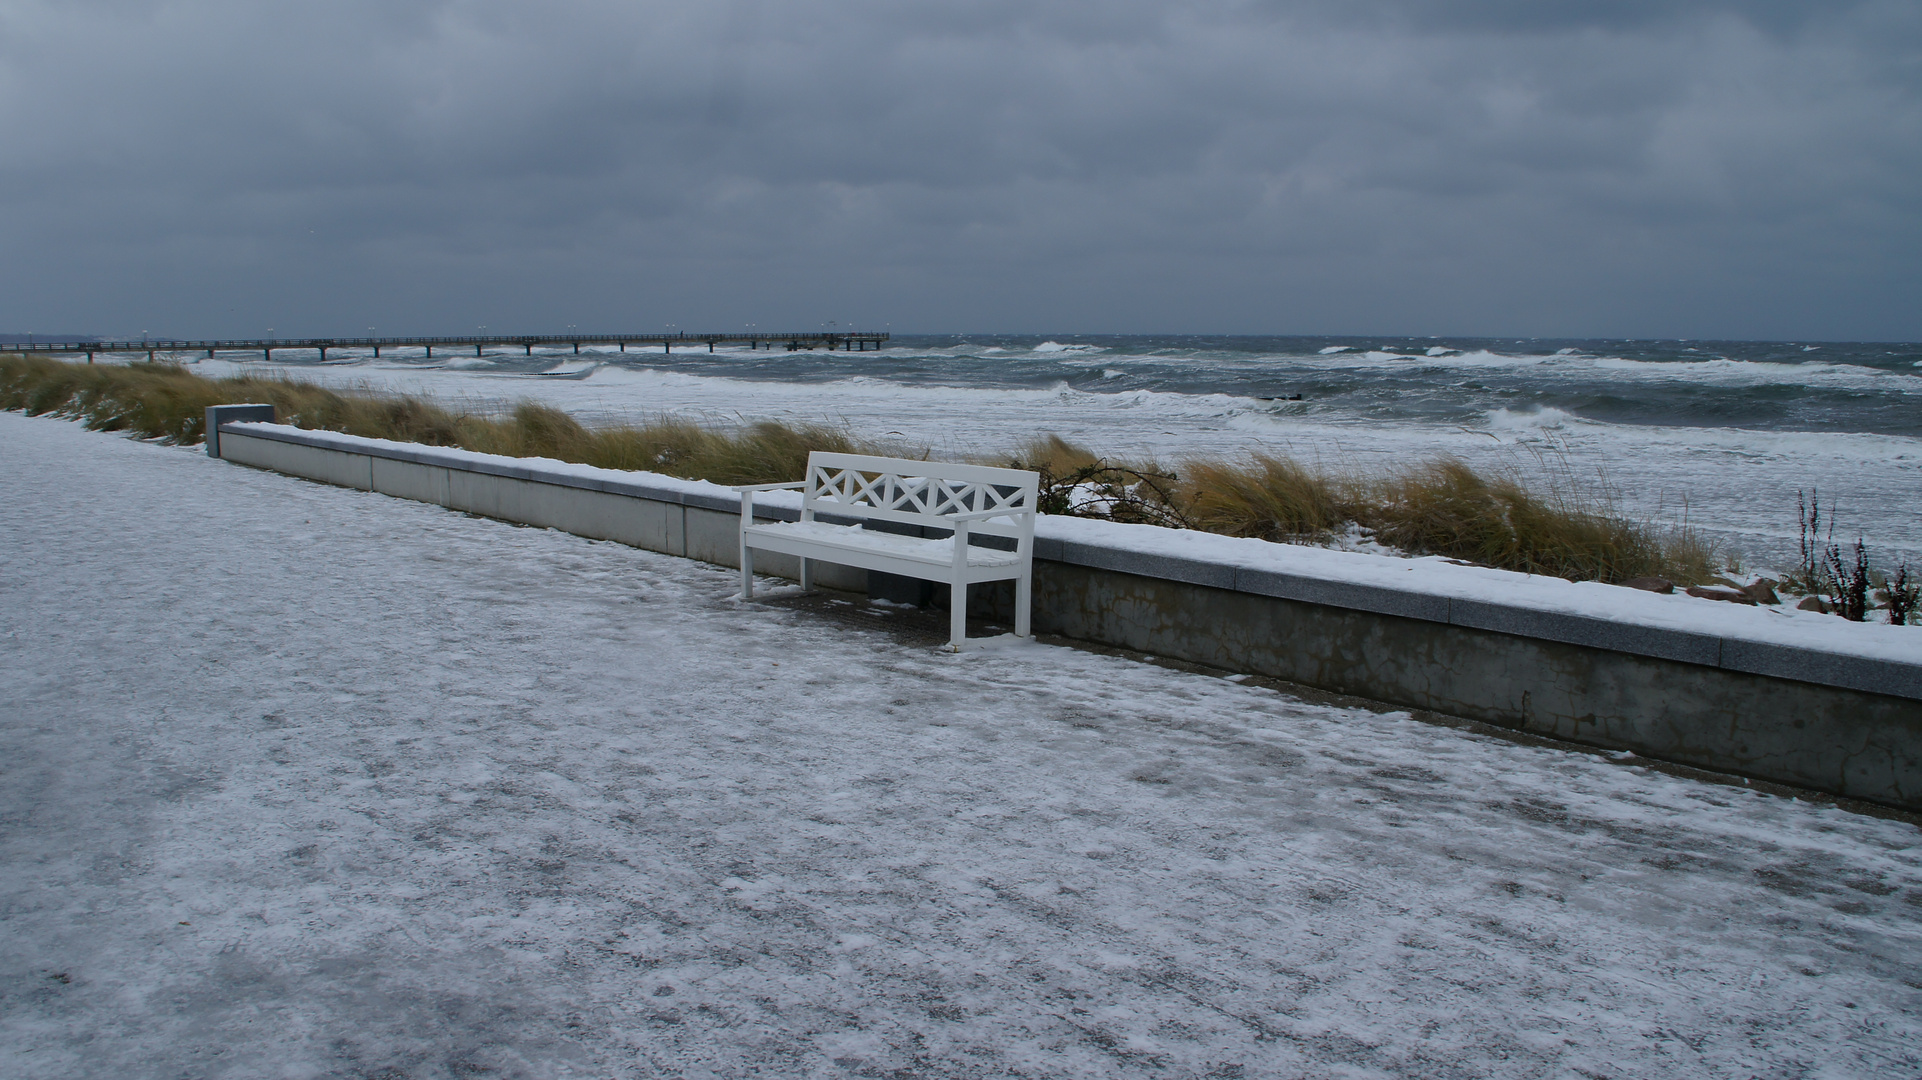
<point x="847" y="341"/>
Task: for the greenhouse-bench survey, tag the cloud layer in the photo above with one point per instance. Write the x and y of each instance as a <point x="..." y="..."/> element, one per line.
<point x="1611" y="168"/>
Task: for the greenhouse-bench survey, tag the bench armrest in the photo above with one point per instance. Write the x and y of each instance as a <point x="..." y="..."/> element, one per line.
<point x="770" y="487"/>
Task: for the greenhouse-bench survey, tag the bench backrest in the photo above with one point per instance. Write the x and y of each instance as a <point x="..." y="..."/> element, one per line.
<point x="921" y="492"/>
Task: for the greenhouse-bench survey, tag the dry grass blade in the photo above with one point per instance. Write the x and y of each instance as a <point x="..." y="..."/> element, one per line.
<point x="1270" y="497"/>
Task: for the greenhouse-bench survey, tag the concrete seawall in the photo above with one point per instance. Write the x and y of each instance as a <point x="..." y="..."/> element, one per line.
<point x="1832" y="722"/>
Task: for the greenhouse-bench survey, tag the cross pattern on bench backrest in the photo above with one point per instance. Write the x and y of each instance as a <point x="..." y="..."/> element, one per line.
<point x="857" y="485"/>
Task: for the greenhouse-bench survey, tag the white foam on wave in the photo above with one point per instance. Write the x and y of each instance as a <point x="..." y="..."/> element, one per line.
<point x="1333" y="349"/>
<point x="1048" y="347"/>
<point x="1541" y="419"/>
<point x="1712" y="370"/>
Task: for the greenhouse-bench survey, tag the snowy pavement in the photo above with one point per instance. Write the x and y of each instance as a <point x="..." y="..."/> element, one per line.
<point x="299" y="781"/>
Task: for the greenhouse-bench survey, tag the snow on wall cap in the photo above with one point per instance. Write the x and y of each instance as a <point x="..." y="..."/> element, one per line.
<point x="1468" y="587"/>
<point x="548" y="470"/>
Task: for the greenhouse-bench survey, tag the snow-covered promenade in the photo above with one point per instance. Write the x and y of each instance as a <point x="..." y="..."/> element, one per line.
<point x="298" y="781"/>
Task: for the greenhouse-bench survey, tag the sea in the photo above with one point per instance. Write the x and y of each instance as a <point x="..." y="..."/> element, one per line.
<point x="1722" y="437"/>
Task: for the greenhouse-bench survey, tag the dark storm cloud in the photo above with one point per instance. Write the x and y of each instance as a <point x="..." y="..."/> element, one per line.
<point x="1736" y="168"/>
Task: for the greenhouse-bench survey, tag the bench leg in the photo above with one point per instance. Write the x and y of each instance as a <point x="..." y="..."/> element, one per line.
<point x="807" y="575"/>
<point x="1023" y="602"/>
<point x="747" y="572"/>
<point x="958" y="618"/>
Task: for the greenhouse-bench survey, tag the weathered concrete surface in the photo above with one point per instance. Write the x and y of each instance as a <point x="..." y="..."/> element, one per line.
<point x="1866" y="746"/>
<point x="313" y="462"/>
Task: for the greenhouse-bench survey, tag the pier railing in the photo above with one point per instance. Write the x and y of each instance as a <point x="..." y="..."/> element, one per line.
<point x="846" y="340"/>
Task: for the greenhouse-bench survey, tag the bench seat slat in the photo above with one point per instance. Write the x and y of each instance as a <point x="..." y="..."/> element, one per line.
<point x="819" y="534"/>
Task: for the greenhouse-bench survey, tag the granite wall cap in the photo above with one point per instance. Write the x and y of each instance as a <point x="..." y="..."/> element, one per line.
<point x="1872" y="676"/>
<point x="1142" y="564"/>
<point x="1372" y="598"/>
<point x="1681" y="645"/>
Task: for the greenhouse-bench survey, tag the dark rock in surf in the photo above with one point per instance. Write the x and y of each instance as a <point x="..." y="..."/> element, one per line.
<point x="1651" y="584"/>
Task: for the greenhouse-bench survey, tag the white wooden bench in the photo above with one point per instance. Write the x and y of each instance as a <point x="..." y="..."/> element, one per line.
<point x="962" y="500"/>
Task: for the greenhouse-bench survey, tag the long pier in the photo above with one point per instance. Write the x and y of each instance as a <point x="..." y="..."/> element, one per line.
<point x="846" y="340"/>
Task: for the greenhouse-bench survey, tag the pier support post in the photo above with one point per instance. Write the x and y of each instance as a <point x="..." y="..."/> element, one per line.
<point x="477" y="348"/>
<point x="323" y="354"/>
<point x="577" y="348"/>
<point x="376" y="352"/>
<point x="89" y="356"/>
<point x="710" y="346"/>
<point x="667" y="346"/>
<point x="149" y="356"/>
<point x="430" y="352"/>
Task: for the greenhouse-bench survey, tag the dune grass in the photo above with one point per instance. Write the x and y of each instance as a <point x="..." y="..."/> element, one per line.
<point x="1438" y="507"/>
<point x="168" y="402"/>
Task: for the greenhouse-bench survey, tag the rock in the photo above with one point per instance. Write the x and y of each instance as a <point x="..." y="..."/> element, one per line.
<point x="1812" y="603"/>
<point x="1732" y="596"/>
<point x="1650" y="584"/>
<point x="1762" y="591"/>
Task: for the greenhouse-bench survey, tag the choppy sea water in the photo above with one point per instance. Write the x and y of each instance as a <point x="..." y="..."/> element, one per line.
<point x="1720" y="434"/>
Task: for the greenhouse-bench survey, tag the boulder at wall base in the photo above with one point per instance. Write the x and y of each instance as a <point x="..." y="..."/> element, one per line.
<point x="1650" y="584"/>
<point x="1762" y="591"/>
<point x="1812" y="603"/>
<point x="1729" y="595"/>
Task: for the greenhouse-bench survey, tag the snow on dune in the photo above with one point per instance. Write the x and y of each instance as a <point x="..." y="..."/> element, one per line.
<point x="302" y="781"/>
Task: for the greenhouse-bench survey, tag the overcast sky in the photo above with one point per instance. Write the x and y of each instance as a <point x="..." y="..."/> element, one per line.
<point x="1608" y="167"/>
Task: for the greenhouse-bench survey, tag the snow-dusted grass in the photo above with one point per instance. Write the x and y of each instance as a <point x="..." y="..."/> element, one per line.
<point x="301" y="781"/>
<point x="1429" y="506"/>
<point x="169" y="402"/>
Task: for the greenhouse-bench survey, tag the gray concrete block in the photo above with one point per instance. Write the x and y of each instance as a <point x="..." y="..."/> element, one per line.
<point x="232" y="414"/>
<point x="1704" y="649"/>
<point x="312" y="462"/>
<point x="411" y="480"/>
<point x="474" y="493"/>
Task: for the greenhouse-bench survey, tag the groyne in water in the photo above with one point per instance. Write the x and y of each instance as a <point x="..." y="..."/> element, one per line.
<point x="1850" y="725"/>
